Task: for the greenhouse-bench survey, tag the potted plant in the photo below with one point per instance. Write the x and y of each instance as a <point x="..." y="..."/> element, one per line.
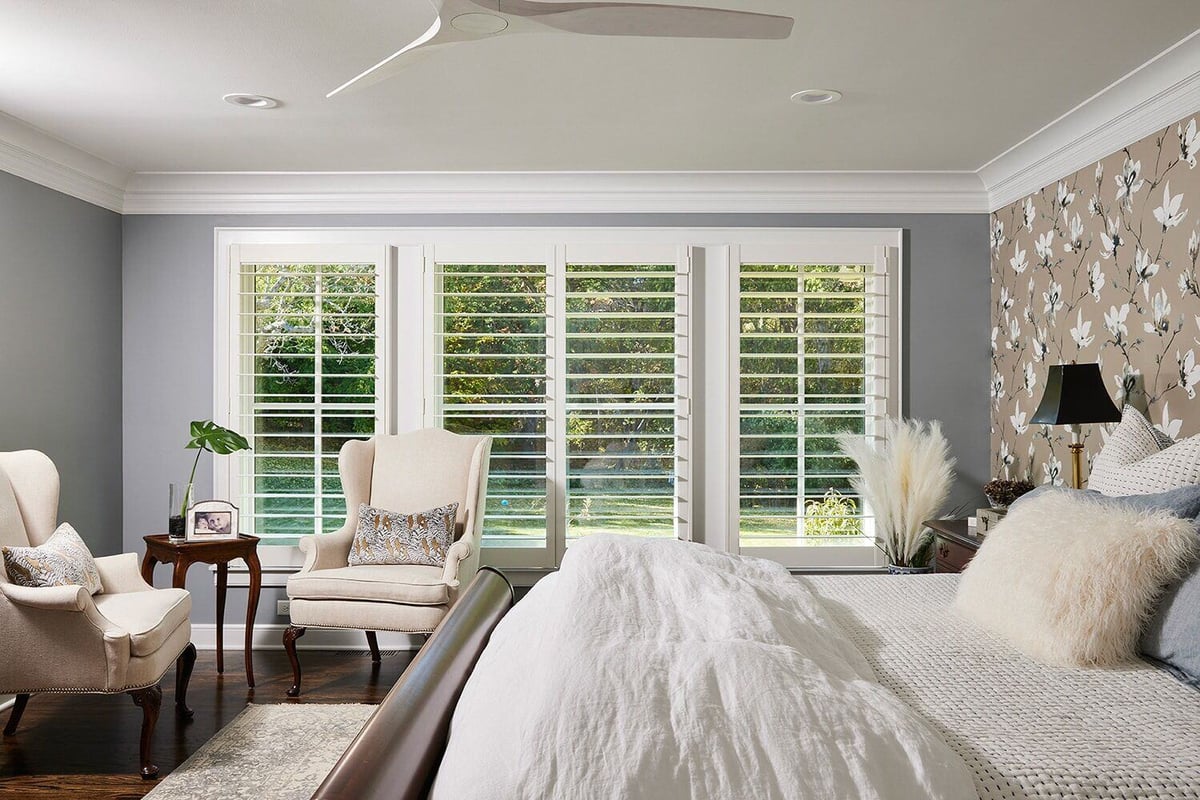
<point x="1001" y="493"/>
<point x="904" y="478"/>
<point x="206" y="435"/>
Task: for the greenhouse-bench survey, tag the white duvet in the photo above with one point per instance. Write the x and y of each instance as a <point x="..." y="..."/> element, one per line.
<point x="661" y="670"/>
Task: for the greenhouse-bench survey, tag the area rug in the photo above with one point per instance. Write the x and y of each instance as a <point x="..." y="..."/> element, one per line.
<point x="268" y="752"/>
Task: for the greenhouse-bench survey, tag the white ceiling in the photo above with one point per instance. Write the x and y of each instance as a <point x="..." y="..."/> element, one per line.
<point x="928" y="85"/>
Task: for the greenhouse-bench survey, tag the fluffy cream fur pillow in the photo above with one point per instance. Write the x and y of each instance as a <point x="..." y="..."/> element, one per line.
<point x="1070" y="580"/>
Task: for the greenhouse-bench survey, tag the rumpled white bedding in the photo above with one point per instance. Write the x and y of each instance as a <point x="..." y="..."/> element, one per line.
<point x="661" y="670"/>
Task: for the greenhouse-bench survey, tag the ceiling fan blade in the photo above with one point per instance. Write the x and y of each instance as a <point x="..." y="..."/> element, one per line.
<point x="639" y="19"/>
<point x="361" y="78"/>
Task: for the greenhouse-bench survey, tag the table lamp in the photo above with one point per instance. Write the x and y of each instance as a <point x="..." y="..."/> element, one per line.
<point x="1075" y="395"/>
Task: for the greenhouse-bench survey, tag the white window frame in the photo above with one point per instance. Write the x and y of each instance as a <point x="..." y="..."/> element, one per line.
<point x="711" y="344"/>
<point x="885" y="262"/>
<point x="228" y="482"/>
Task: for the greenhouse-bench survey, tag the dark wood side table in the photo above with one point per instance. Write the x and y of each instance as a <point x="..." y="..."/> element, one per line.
<point x="954" y="547"/>
<point x="160" y="549"/>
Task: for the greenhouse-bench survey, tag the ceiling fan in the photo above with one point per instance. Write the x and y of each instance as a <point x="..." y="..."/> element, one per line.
<point x="458" y="21"/>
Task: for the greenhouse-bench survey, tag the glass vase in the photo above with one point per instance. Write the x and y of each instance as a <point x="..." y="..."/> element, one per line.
<point x="179" y="495"/>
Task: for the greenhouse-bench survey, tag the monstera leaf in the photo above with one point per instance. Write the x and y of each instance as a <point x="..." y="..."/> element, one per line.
<point x="208" y="435"/>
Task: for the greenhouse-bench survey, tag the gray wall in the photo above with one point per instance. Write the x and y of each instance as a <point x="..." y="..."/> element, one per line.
<point x="60" y="348"/>
<point x="168" y="339"/>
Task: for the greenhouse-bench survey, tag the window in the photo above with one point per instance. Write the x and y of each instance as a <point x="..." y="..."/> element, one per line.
<point x="576" y="366"/>
<point x="574" y="350"/>
<point x="813" y="362"/>
<point x="307" y="377"/>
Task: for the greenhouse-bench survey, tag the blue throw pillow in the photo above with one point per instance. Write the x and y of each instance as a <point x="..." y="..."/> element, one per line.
<point x="1172" y="637"/>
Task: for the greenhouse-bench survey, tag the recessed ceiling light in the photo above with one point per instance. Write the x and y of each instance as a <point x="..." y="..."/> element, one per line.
<point x="480" y="24"/>
<point x="250" y="100"/>
<point x="816" y="97"/>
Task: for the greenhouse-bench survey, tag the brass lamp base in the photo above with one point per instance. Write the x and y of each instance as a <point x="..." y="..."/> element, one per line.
<point x="1076" y="465"/>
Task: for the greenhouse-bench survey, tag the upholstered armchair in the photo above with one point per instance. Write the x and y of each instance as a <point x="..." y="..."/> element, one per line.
<point x="412" y="472"/>
<point x="63" y="639"/>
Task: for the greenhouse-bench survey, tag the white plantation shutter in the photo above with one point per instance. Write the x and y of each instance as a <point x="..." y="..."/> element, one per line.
<point x="490" y="376"/>
<point x="814" y="361"/>
<point x="308" y="377"/>
<point x="625" y="373"/>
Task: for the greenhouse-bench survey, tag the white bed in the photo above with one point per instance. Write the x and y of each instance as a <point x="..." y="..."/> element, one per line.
<point x="1025" y="730"/>
<point x="668" y="671"/>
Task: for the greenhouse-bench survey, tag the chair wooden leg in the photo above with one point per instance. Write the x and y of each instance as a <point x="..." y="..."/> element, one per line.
<point x="150" y="701"/>
<point x="290" y="636"/>
<point x="14" y="719"/>
<point x="183" y="674"/>
<point x="373" y="643"/>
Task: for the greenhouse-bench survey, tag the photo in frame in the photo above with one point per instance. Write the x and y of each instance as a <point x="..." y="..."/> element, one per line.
<point x="208" y="520"/>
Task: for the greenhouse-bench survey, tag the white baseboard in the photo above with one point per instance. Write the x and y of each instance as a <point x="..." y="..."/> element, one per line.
<point x="270" y="637"/>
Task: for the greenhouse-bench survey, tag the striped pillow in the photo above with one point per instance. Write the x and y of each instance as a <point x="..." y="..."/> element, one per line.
<point x="63" y="560"/>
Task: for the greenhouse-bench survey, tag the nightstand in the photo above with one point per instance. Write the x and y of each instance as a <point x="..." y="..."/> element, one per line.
<point x="954" y="547"/>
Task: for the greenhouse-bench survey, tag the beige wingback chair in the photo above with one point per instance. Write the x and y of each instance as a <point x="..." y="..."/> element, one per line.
<point x="63" y="639"/>
<point x="407" y="473"/>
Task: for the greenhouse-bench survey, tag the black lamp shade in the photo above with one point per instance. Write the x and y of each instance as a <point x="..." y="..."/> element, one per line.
<point x="1075" y="395"/>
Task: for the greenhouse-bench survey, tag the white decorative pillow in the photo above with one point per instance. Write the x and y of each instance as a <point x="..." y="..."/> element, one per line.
<point x="1139" y="459"/>
<point x="1071" y="580"/>
<point x="63" y="560"/>
<point x="388" y="537"/>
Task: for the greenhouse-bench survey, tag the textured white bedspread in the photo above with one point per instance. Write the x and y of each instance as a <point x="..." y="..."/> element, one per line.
<point x="662" y="670"/>
<point x="1025" y="729"/>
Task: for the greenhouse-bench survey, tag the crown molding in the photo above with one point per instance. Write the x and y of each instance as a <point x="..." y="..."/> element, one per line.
<point x="554" y="192"/>
<point x="1163" y="90"/>
<point x="37" y="156"/>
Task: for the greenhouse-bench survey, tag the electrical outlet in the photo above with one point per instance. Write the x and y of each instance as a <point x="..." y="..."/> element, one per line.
<point x="283" y="607"/>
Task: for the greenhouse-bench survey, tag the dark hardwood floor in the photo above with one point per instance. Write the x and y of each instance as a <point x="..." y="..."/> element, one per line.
<point x="86" y="746"/>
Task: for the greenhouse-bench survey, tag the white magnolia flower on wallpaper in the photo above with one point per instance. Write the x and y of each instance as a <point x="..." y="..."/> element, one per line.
<point x="1027" y="313"/>
<point x="1029" y="214"/>
<point x="1007" y="459"/>
<point x="1030" y="378"/>
<point x="1188" y="142"/>
<point x="997" y="388"/>
<point x="1006" y="299"/>
<point x="1014" y="333"/>
<point x="1099" y="172"/>
<point x="1127" y="382"/>
<point x="1162" y="308"/>
<point x="1144" y="270"/>
<point x="1075" y="243"/>
<point x="1114" y="322"/>
<point x="1052" y="469"/>
<point x="1170" y="427"/>
<point x="997" y="235"/>
<point x="1129" y="182"/>
<point x="1194" y="245"/>
<point x="1081" y="332"/>
<point x="1044" y="246"/>
<point x="1063" y="196"/>
<point x="1018" y="420"/>
<point x="1189" y="372"/>
<point x="1053" y="298"/>
<point x="1018" y="261"/>
<point x="1040" y="345"/>
<point x="1188" y="284"/>
<point x="1168" y="214"/>
<point x="1095" y="281"/>
<point x="995" y="336"/>
<point x="1111" y="239"/>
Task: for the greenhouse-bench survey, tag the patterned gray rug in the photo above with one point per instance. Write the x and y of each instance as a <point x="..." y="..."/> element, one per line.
<point x="269" y="752"/>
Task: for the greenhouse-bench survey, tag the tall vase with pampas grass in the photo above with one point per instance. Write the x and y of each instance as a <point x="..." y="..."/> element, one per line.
<point x="905" y="478"/>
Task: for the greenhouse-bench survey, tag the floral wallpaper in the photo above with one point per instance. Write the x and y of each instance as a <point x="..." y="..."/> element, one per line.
<point x="1100" y="266"/>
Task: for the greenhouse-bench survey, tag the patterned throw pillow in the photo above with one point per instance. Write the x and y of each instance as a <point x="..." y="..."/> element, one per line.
<point x="63" y="560"/>
<point x="387" y="537"/>
<point x="1139" y="459"/>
